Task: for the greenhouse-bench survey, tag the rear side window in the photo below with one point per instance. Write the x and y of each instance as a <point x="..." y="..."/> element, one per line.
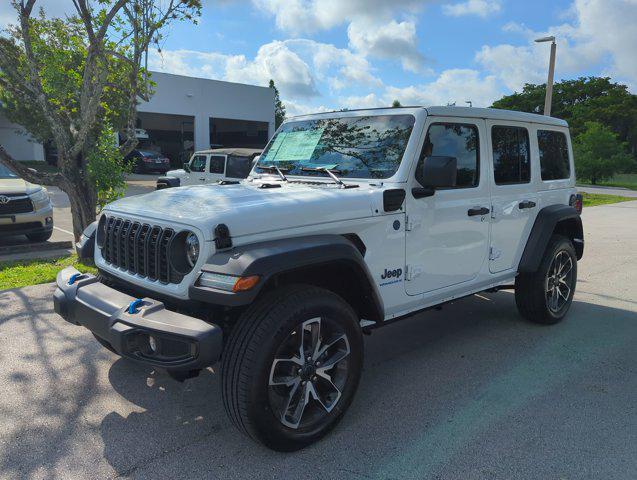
<point x="553" y="155"/>
<point x="238" y="167"/>
<point x="511" y="155"/>
<point x="216" y="163"/>
<point x="459" y="141"/>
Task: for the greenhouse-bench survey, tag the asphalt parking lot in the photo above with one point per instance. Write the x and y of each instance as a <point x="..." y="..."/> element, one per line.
<point x="468" y="392"/>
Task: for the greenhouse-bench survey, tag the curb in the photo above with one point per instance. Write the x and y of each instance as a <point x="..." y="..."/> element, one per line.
<point x="35" y="247"/>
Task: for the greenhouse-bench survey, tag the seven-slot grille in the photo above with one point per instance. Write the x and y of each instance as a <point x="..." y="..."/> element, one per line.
<point x="139" y="248"/>
<point x="17" y="204"/>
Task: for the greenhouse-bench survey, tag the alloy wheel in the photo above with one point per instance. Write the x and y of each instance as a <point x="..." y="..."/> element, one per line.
<point x="559" y="281"/>
<point x="309" y="373"/>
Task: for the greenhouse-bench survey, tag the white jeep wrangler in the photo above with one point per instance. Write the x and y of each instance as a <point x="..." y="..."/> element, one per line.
<point x="349" y="220"/>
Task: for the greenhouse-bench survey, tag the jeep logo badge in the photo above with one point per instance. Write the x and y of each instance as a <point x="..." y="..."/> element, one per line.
<point x="4" y="199"/>
<point x="392" y="273"/>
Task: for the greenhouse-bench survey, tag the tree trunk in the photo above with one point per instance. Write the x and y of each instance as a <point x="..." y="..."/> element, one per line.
<point x="83" y="200"/>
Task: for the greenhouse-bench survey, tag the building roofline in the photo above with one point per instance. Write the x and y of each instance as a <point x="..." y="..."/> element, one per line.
<point x="153" y="72"/>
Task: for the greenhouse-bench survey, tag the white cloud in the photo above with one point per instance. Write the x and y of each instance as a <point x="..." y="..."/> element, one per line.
<point x="453" y="85"/>
<point x="481" y="8"/>
<point x="603" y="33"/>
<point x="52" y="8"/>
<point x="387" y="40"/>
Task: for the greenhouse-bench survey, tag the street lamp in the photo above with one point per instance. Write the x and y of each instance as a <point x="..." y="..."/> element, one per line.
<point x="549" y="82"/>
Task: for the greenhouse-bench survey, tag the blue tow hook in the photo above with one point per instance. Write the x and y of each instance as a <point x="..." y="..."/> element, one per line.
<point x="132" y="307"/>
<point x="74" y="278"/>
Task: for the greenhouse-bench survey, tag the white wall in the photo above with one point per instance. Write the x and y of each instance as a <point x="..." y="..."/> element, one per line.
<point x="18" y="143"/>
<point x="205" y="99"/>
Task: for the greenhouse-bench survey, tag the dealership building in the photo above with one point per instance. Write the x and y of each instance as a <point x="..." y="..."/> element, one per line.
<point x="183" y="115"/>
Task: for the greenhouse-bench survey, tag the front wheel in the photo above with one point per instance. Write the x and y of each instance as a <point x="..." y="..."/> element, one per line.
<point x="546" y="295"/>
<point x="292" y="366"/>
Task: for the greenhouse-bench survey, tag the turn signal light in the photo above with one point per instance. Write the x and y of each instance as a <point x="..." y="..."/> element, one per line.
<point x="245" y="283"/>
<point x="577" y="202"/>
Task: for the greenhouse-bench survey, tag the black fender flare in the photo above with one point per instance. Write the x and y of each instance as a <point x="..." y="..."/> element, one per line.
<point x="167" y="182"/>
<point x="85" y="248"/>
<point x="546" y="223"/>
<point x="270" y="258"/>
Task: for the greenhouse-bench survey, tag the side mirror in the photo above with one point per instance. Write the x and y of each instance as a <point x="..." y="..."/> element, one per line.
<point x="187" y="167"/>
<point x="435" y="172"/>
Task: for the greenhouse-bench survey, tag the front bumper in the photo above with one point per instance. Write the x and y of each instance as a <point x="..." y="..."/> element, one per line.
<point x="181" y="343"/>
<point x="39" y="221"/>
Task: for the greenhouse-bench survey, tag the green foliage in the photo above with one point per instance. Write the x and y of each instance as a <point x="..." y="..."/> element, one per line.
<point x="586" y="99"/>
<point x="599" y="154"/>
<point x="106" y="168"/>
<point x="279" y="108"/>
<point x="594" y="199"/>
<point x="18" y="274"/>
<point x="396" y="104"/>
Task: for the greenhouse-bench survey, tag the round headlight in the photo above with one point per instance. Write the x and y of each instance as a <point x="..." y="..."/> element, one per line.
<point x="192" y="249"/>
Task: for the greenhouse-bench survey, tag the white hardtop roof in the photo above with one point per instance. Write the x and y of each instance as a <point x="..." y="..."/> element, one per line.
<point x="465" y="112"/>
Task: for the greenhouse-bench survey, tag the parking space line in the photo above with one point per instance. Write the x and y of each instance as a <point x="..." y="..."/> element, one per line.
<point x="62" y="230"/>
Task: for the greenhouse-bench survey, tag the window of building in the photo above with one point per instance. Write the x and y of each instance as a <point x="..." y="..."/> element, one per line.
<point x="511" y="155"/>
<point x="554" y="160"/>
<point x="459" y="141"/>
<point x="216" y="163"/>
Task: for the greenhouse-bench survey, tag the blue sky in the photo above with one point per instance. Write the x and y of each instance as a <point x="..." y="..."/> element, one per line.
<point x="327" y="54"/>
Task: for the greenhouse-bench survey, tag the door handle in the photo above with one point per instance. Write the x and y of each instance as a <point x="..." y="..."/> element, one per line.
<point x="473" y="212"/>
<point x="526" y="204"/>
<point x="202" y="179"/>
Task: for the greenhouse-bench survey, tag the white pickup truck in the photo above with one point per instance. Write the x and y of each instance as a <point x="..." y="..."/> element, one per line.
<point x="212" y="166"/>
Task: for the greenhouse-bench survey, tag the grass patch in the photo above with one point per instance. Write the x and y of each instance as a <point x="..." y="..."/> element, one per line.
<point x="594" y="199"/>
<point x="622" y="180"/>
<point x="33" y="272"/>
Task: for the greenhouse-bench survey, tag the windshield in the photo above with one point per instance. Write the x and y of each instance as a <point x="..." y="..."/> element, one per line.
<point x="354" y="147"/>
<point x="6" y="173"/>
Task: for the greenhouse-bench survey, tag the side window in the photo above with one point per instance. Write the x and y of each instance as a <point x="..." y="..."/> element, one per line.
<point x="511" y="155"/>
<point x="216" y="163"/>
<point x="238" y="167"/>
<point x="459" y="141"/>
<point x="553" y="155"/>
<point x="198" y="163"/>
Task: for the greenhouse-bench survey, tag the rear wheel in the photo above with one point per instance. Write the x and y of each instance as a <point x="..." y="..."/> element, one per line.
<point x="546" y="295"/>
<point x="292" y="366"/>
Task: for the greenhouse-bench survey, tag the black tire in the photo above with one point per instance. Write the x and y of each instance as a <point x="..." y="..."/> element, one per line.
<point x="39" y="237"/>
<point x="249" y="356"/>
<point x="531" y="296"/>
<point x="105" y="344"/>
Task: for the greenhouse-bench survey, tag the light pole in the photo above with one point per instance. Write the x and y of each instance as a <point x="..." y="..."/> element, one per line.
<point x="549" y="82"/>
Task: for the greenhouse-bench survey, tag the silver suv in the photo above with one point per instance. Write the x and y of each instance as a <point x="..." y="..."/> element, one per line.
<point x="25" y="208"/>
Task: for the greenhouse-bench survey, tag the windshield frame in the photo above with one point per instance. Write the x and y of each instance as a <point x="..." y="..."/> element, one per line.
<point x="400" y="175"/>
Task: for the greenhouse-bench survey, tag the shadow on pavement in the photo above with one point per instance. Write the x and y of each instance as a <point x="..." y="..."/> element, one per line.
<point x="471" y="391"/>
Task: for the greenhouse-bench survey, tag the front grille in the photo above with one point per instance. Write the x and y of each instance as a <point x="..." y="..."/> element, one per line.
<point x="140" y="249"/>
<point x="15" y="205"/>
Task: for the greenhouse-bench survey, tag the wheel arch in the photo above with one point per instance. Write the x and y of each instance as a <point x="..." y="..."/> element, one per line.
<point x="333" y="262"/>
<point x="554" y="219"/>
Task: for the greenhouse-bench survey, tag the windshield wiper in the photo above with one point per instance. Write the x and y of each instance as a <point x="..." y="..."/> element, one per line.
<point x="331" y="172"/>
<point x="274" y="168"/>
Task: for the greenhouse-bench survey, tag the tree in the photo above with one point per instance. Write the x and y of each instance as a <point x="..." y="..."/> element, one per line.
<point x="279" y="108"/>
<point x="586" y="99"/>
<point x="598" y="153"/>
<point x="70" y="80"/>
<point x="396" y="104"/>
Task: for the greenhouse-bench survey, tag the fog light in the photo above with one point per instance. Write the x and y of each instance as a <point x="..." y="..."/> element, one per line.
<point x="152" y="343"/>
<point x="49" y="220"/>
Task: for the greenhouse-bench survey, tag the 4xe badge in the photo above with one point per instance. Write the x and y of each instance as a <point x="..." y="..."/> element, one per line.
<point x="391" y="276"/>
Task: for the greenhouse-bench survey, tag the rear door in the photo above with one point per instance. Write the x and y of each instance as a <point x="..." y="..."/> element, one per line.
<point x="448" y="233"/>
<point x="514" y="201"/>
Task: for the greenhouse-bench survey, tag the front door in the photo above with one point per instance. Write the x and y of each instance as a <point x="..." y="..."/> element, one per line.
<point x="216" y="168"/>
<point x="448" y="232"/>
<point x="514" y="201"/>
<point x="197" y="172"/>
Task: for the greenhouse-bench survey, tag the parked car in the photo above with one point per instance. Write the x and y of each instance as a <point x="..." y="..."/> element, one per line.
<point x="25" y="208"/>
<point x="350" y="221"/>
<point x="148" y="161"/>
<point x="211" y="166"/>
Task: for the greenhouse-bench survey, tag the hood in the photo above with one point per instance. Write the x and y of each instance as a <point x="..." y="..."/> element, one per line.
<point x="176" y="173"/>
<point x="17" y="185"/>
<point x="247" y="209"/>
